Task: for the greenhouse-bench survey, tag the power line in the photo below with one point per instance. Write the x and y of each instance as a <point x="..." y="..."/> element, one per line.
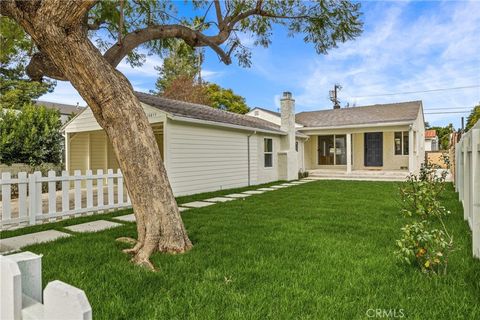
<point x="422" y="91"/>
<point x="445" y="112"/>
<point x="454" y="108"/>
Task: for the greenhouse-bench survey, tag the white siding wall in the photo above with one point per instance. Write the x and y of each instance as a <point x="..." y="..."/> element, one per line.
<point x="265" y="175"/>
<point x="205" y="158"/>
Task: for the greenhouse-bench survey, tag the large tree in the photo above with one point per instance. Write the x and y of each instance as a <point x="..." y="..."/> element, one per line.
<point x="62" y="31"/>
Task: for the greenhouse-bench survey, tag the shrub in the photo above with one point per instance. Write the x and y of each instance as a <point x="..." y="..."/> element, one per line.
<point x="30" y="136"/>
<point x="421" y="243"/>
<point x="425" y="247"/>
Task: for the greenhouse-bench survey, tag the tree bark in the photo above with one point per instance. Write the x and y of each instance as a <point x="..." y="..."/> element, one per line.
<point x="111" y="98"/>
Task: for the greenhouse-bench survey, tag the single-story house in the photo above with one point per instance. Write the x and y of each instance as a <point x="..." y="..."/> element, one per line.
<point x="431" y="140"/>
<point x="206" y="149"/>
<point x="381" y="138"/>
<point x="203" y="148"/>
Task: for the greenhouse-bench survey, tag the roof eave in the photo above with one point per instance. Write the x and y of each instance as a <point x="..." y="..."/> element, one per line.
<point x="363" y="125"/>
<point x="223" y="124"/>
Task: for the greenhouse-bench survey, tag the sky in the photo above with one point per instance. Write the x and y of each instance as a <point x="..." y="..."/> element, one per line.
<point x="406" y="46"/>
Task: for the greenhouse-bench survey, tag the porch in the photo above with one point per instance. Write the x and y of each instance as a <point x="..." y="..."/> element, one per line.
<point x="387" y="152"/>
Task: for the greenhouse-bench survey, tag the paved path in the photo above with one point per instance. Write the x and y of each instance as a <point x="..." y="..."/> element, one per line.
<point x="13" y="244"/>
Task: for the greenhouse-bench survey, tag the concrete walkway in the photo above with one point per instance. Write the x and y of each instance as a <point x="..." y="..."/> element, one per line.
<point x="13" y="244"/>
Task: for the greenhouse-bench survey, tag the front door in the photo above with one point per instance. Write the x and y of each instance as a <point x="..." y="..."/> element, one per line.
<point x="373" y="149"/>
<point x="326" y="150"/>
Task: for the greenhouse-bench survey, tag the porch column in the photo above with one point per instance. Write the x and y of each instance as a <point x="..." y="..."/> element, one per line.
<point x="349" y="152"/>
<point x="411" y="158"/>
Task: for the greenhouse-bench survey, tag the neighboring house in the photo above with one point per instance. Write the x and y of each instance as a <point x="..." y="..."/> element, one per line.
<point x="206" y="149"/>
<point x="66" y="110"/>
<point x="203" y="148"/>
<point x="431" y="140"/>
<point x="383" y="137"/>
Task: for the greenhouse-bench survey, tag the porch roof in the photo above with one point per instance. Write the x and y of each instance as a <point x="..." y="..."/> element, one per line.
<point x="374" y="114"/>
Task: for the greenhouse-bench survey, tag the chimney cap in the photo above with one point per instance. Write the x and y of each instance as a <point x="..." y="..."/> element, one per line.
<point x="287" y="95"/>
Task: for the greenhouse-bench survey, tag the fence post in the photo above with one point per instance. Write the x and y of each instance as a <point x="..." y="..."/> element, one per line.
<point x="65" y="192"/>
<point x="100" y="202"/>
<point x="32" y="198"/>
<point x="89" y="183"/>
<point x="6" y="195"/>
<point x="52" y="192"/>
<point x="78" y="191"/>
<point x="476" y="192"/>
<point x="466" y="179"/>
<point x="119" y="187"/>
<point x="63" y="301"/>
<point x="110" y="187"/>
<point x="22" y="194"/>
<point x="11" y="289"/>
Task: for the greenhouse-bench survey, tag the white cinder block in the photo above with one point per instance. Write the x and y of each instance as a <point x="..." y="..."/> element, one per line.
<point x="10" y="289"/>
<point x="63" y="301"/>
<point x="30" y="265"/>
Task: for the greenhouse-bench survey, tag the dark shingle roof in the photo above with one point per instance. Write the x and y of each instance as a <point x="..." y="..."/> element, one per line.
<point x="65" y="109"/>
<point x="202" y="112"/>
<point x="378" y="113"/>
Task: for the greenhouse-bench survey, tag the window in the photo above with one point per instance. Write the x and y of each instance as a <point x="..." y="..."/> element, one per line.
<point x="296" y="146"/>
<point x="332" y="150"/>
<point x="401" y="143"/>
<point x="340" y="149"/>
<point x="268" y="152"/>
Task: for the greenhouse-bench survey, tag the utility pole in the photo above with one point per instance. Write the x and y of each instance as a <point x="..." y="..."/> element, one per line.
<point x="334" y="96"/>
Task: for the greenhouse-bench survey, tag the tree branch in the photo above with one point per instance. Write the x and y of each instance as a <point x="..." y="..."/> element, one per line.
<point x="218" y="11"/>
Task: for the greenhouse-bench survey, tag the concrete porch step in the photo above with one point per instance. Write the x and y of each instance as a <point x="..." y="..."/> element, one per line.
<point x="358" y="175"/>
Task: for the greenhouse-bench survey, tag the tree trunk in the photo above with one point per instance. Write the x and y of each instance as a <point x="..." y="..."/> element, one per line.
<point x="110" y="96"/>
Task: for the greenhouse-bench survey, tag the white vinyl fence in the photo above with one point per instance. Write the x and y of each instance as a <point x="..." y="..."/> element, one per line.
<point x="24" y="299"/>
<point x="467" y="181"/>
<point x="30" y="199"/>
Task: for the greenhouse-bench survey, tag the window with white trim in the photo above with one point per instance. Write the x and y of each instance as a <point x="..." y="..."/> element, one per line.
<point x="268" y="152"/>
<point x="401" y="143"/>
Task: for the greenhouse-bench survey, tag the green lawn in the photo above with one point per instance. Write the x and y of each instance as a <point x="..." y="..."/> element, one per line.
<point x="322" y="250"/>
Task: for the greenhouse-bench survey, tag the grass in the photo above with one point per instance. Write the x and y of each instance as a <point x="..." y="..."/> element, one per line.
<point x="322" y="250"/>
<point x="61" y="224"/>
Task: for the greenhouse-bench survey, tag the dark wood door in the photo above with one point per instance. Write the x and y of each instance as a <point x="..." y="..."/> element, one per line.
<point x="373" y="149"/>
<point x="326" y="149"/>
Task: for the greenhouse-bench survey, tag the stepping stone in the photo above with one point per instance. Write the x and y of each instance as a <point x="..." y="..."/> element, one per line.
<point x="126" y="218"/>
<point x="253" y="192"/>
<point x="197" y="204"/>
<point x="181" y="209"/>
<point x="287" y="184"/>
<point x="266" y="189"/>
<point x="16" y="243"/>
<point x="237" y="195"/>
<point x="278" y="187"/>
<point x="219" y="199"/>
<point x="93" y="226"/>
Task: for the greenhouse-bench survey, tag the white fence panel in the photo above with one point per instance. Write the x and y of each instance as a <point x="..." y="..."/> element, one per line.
<point x="467" y="181"/>
<point x="29" y="206"/>
<point x="21" y="289"/>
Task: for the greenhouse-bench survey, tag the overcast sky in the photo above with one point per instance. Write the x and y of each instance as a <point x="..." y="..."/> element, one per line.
<point x="406" y="46"/>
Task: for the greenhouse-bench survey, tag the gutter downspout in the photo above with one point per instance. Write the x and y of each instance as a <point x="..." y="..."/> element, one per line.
<point x="248" y="154"/>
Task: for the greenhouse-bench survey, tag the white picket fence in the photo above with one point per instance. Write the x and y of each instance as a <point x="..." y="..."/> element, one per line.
<point x="467" y="181"/>
<point x="75" y="196"/>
